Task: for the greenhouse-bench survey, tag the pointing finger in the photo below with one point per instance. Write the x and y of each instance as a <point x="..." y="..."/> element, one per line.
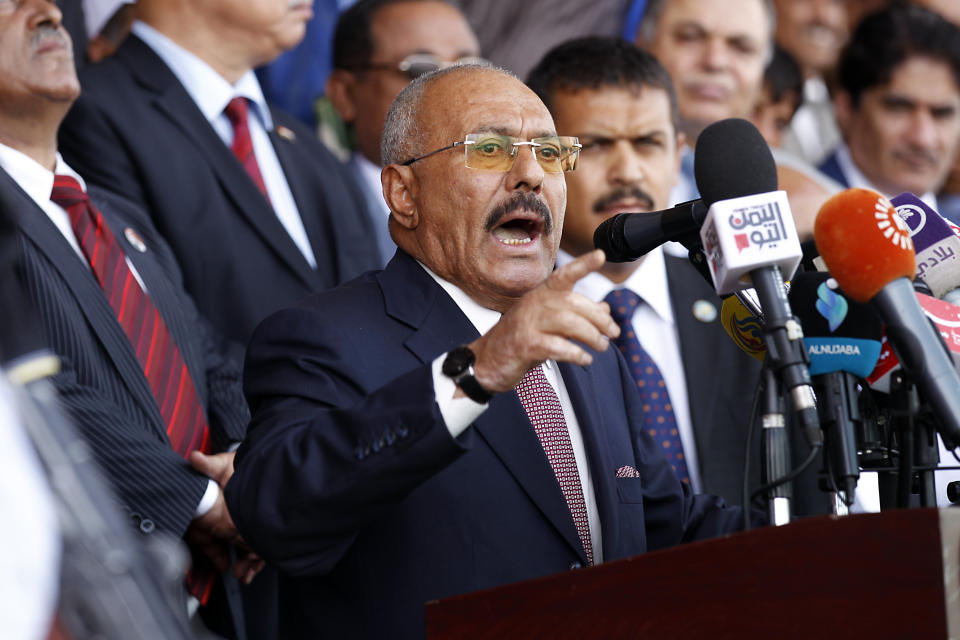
<point x="566" y="276"/>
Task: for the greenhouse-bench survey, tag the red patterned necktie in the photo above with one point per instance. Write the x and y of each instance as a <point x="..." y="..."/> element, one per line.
<point x="543" y="408"/>
<point x="658" y="417"/>
<point x="236" y="112"/>
<point x="159" y="356"/>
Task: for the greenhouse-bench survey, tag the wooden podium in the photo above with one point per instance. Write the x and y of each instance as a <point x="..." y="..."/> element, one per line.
<point x="885" y="575"/>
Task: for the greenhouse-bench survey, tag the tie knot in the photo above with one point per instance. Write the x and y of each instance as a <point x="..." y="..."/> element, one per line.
<point x="623" y="302"/>
<point x="67" y="192"/>
<point x="236" y="110"/>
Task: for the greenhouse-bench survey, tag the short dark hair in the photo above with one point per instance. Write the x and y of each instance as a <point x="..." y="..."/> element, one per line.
<point x="783" y="76"/>
<point x="886" y="39"/>
<point x="595" y="62"/>
<point x="352" y="38"/>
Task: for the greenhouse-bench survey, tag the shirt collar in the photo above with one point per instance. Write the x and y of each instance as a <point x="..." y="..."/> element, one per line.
<point x="35" y="179"/>
<point x="857" y="179"/>
<point x="481" y="317"/>
<point x="649" y="281"/>
<point x="209" y="90"/>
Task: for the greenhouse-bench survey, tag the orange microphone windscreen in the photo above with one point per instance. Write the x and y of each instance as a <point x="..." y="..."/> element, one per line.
<point x="864" y="242"/>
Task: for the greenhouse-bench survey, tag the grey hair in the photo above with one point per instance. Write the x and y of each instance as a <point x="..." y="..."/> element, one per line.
<point x="647" y="30"/>
<point x="401" y="139"/>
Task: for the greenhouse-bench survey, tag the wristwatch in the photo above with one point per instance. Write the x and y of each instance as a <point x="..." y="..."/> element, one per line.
<point x="458" y="366"/>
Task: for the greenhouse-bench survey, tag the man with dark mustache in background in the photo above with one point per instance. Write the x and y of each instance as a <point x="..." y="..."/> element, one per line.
<point x="457" y="420"/>
<point x="619" y="101"/>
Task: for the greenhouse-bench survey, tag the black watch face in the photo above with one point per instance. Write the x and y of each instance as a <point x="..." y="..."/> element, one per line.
<point x="457" y="361"/>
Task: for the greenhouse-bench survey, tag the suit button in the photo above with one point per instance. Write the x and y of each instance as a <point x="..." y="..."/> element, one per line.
<point x="147" y="526"/>
<point x="575" y="565"/>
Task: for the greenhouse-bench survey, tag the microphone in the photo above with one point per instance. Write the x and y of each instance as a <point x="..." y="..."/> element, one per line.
<point x="936" y="244"/>
<point x="842" y="339"/>
<point x="868" y="250"/>
<point x="628" y="236"/>
<point x="749" y="237"/>
<point x="743" y="327"/>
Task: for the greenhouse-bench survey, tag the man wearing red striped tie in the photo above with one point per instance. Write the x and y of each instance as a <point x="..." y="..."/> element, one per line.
<point x="142" y="376"/>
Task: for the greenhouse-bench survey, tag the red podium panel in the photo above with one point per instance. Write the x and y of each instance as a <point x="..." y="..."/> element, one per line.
<point x="864" y="576"/>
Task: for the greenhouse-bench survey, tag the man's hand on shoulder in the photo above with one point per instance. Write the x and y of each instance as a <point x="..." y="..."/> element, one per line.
<point x="546" y="324"/>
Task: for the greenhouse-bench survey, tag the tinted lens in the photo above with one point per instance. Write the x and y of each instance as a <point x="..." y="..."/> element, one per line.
<point x="490" y="152"/>
<point x="557" y="153"/>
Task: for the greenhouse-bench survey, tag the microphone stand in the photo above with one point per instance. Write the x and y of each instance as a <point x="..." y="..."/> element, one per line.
<point x="776" y="449"/>
<point x="918" y="455"/>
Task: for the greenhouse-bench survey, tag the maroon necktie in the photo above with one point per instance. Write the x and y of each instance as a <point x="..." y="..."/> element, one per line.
<point x="543" y="408"/>
<point x="159" y="356"/>
<point x="236" y="112"/>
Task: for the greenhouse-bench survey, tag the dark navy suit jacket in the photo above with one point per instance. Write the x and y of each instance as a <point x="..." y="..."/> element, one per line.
<point x="101" y="384"/>
<point x="136" y="131"/>
<point x="831" y="167"/>
<point x="351" y="484"/>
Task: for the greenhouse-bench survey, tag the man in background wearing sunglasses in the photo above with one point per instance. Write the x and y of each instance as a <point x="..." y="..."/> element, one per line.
<point x="456" y="421"/>
<point x="378" y="47"/>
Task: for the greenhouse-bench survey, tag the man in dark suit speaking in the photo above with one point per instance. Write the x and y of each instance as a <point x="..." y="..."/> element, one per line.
<point x="257" y="212"/>
<point x="142" y="375"/>
<point x="456" y="421"/>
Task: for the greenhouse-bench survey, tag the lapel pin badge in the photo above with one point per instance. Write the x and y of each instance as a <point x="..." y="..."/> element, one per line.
<point x="286" y="134"/>
<point x="135" y="240"/>
<point x="704" y="311"/>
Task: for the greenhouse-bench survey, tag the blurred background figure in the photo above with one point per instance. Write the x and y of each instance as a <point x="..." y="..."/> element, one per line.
<point x="949" y="197"/>
<point x="813" y="33"/>
<point x="779" y="100"/>
<point x="515" y="35"/>
<point x="898" y="104"/>
<point x="780" y="97"/>
<point x="378" y="47"/>
<point x="716" y="53"/>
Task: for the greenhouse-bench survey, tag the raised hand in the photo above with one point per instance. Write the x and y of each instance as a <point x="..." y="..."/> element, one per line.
<point x="546" y="324"/>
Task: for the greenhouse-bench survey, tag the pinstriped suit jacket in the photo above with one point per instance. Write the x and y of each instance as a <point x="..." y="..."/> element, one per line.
<point x="101" y="383"/>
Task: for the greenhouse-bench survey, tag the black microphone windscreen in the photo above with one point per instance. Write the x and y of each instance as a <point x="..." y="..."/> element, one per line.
<point x="822" y="313"/>
<point x="733" y="160"/>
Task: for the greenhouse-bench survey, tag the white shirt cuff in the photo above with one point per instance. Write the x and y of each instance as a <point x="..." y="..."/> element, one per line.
<point x="208" y="500"/>
<point x="458" y="413"/>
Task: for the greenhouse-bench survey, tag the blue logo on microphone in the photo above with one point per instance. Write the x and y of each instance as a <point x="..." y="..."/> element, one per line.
<point x="831" y="306"/>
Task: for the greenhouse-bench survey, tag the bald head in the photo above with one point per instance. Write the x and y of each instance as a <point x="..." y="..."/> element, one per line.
<point x="402" y="134"/>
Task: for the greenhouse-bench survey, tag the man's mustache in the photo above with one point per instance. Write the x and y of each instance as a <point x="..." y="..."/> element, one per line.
<point x="623" y="193"/>
<point x="526" y="201"/>
<point x="45" y="33"/>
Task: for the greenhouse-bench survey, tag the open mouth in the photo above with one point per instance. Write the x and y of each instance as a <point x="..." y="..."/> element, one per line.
<point x="518" y="231"/>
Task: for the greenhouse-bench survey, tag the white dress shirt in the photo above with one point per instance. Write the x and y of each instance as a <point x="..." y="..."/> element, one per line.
<point x="656" y="329"/>
<point x="30" y="535"/>
<point x="37" y="181"/>
<point x="211" y="93"/>
<point x="460" y="413"/>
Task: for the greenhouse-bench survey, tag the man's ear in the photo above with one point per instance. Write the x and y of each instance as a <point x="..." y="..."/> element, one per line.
<point x="401" y="190"/>
<point x="339" y="90"/>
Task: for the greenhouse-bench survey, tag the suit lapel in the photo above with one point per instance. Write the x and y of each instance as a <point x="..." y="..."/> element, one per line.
<point x="40" y="231"/>
<point x="413" y="297"/>
<point x="583" y="394"/>
<point x="175" y="104"/>
<point x="696" y="345"/>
